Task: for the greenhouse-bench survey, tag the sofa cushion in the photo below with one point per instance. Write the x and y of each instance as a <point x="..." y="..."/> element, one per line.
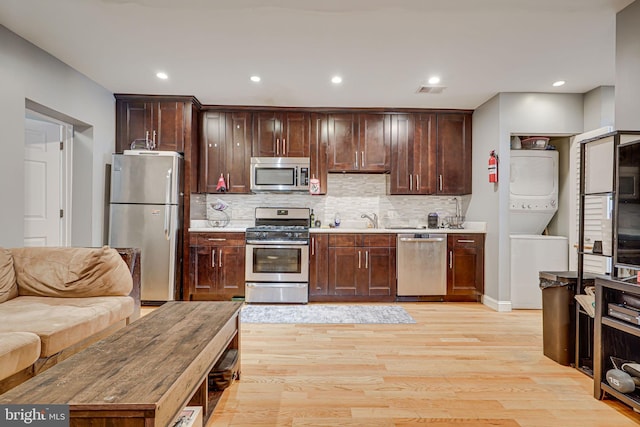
<point x="8" y="286"/>
<point x="18" y="350"/>
<point x="62" y="322"/>
<point x="71" y="272"/>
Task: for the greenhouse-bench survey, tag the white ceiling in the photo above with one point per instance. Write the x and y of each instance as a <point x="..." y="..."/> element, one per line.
<point x="384" y="49"/>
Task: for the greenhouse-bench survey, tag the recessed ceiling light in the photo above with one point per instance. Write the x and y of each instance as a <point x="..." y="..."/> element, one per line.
<point x="255" y="79"/>
<point x="336" y="79"/>
<point x="162" y="75"/>
<point x="434" y="80"/>
<point x="558" y="83"/>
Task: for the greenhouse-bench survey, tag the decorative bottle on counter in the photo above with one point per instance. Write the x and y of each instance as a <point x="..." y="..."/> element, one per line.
<point x="312" y="219"/>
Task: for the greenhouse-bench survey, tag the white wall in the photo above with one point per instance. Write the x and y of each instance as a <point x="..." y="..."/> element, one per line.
<point x="485" y="199"/>
<point x="493" y="124"/>
<point x="29" y="73"/>
<point x="560" y="224"/>
<point x="599" y="113"/>
<point x="599" y="108"/>
<point x="627" y="111"/>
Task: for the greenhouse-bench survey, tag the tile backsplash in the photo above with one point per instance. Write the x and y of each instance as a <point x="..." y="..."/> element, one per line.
<point x="350" y="195"/>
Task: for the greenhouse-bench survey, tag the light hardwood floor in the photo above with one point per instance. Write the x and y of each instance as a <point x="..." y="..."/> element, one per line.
<point x="460" y="364"/>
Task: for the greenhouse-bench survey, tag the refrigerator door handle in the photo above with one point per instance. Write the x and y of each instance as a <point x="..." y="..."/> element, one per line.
<point x="167" y="221"/>
<point x="167" y="207"/>
<point x="167" y="194"/>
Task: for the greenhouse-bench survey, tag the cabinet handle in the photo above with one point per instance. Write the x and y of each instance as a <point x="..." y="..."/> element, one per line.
<point x="466" y="241"/>
<point x="450" y="259"/>
<point x="228" y="183"/>
<point x="440" y="178"/>
<point x="146" y="138"/>
<point x="213" y="258"/>
<point x="362" y="157"/>
<point x="220" y="258"/>
<point x="417" y="182"/>
<point x="153" y="143"/>
<point x="359" y="260"/>
<point x="356" y="160"/>
<point x="366" y="259"/>
<point x="284" y="147"/>
<point x="313" y="246"/>
<point x="216" y="239"/>
<point x="410" y="182"/>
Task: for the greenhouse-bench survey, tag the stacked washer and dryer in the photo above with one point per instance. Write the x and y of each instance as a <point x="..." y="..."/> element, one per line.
<point x="533" y="202"/>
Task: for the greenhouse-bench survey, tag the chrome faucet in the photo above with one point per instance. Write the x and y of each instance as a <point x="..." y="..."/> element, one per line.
<point x="458" y="210"/>
<point x="373" y="220"/>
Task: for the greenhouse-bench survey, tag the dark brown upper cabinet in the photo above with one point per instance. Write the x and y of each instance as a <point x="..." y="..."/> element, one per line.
<point x="281" y="134"/>
<point x="413" y="154"/>
<point x="164" y="121"/>
<point x="453" y="159"/>
<point x="359" y="142"/>
<point x="170" y="123"/>
<point x="318" y="154"/>
<point x="226" y="151"/>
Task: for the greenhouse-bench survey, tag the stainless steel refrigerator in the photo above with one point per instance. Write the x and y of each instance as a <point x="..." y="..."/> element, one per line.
<point x="145" y="212"/>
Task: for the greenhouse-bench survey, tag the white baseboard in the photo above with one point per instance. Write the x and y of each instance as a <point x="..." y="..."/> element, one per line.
<point x="500" y="306"/>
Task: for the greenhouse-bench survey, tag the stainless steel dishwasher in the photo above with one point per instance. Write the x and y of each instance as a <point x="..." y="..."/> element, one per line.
<point x="422" y="264"/>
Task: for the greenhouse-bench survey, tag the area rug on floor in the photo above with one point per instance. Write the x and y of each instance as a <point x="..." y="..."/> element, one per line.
<point x="322" y="313"/>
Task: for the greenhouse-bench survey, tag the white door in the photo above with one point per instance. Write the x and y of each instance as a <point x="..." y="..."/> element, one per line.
<point x="42" y="183"/>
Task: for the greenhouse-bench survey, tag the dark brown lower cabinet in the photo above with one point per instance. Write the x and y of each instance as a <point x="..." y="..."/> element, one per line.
<point x="465" y="274"/>
<point x="318" y="266"/>
<point x="360" y="267"/>
<point x="216" y="266"/>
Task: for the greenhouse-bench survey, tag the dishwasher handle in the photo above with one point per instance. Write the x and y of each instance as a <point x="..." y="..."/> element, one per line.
<point x="422" y="239"/>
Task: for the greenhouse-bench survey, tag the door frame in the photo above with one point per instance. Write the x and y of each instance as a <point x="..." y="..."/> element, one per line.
<point x="66" y="171"/>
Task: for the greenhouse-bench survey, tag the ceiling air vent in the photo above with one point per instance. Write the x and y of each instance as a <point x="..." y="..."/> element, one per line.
<point x="430" y="89"/>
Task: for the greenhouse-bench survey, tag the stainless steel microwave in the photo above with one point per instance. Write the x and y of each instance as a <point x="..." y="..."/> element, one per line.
<point x="280" y="174"/>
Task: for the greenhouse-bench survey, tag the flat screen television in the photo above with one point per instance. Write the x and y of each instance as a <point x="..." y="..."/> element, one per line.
<point x="628" y="206"/>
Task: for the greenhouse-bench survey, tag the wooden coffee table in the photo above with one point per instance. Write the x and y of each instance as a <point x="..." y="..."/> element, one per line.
<point x="145" y="373"/>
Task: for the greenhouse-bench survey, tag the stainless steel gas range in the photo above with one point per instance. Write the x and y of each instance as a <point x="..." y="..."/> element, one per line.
<point x="277" y="256"/>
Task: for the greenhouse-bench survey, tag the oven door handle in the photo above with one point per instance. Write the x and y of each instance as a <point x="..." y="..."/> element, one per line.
<point x="276" y="242"/>
<point x="276" y="285"/>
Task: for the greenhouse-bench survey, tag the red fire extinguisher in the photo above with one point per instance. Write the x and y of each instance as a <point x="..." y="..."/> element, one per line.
<point x="493" y="166"/>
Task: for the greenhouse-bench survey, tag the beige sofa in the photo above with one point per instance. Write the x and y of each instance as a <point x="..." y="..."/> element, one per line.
<point x="56" y="301"/>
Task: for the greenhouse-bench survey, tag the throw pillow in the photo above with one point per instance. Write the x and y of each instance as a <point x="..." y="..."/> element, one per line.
<point x="8" y="286"/>
<point x="71" y="272"/>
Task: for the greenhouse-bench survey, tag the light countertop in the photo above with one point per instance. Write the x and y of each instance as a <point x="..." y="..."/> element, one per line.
<point x="469" y="227"/>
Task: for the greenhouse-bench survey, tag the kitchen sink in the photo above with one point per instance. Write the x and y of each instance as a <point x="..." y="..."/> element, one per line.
<point x="405" y="227"/>
<point x="409" y="227"/>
